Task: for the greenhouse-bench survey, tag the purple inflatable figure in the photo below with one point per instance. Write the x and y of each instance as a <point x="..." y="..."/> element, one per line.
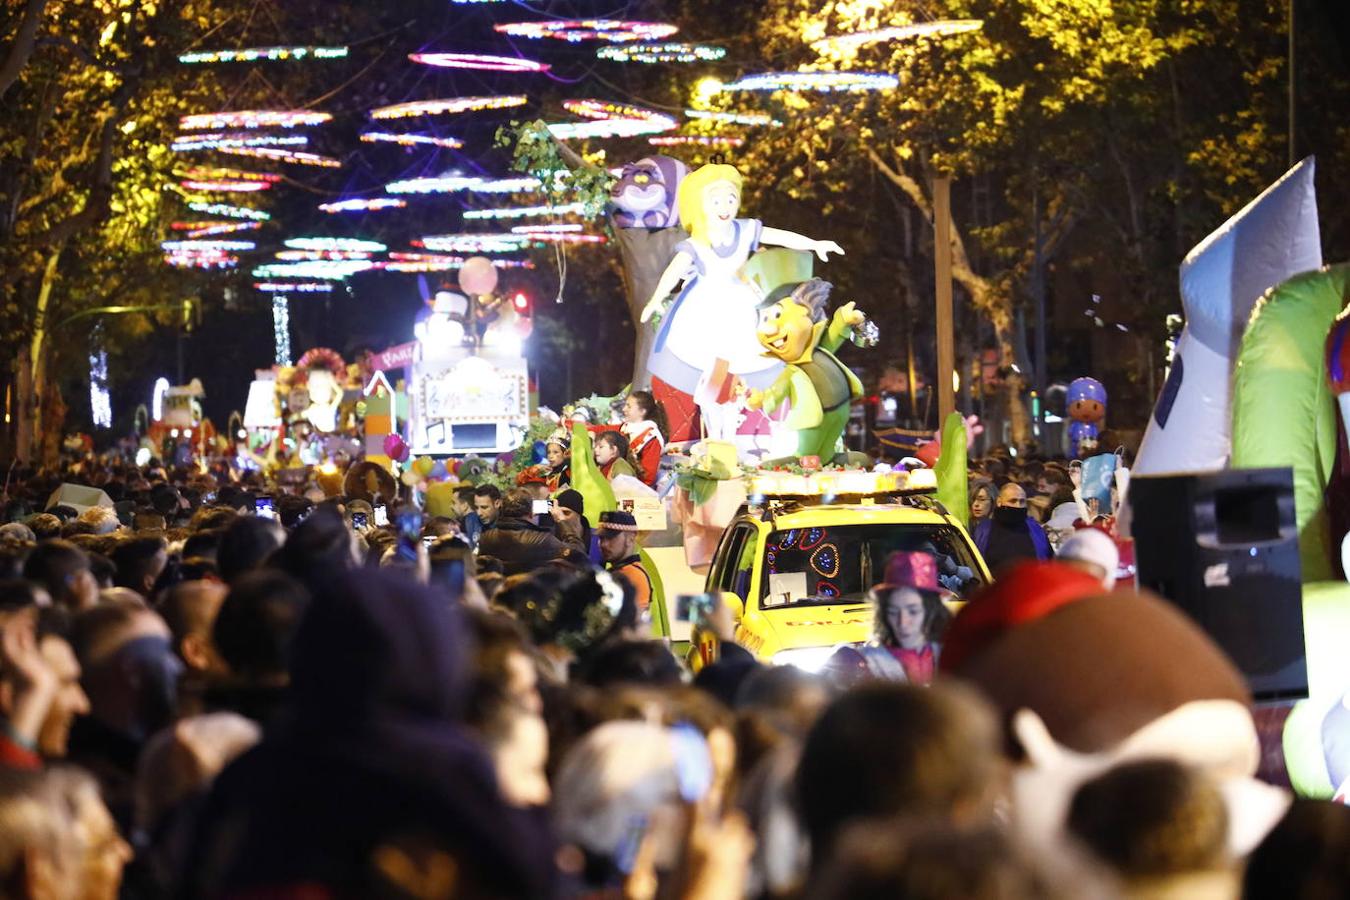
<point x="644" y="195"/>
<point x="1087" y="407"/>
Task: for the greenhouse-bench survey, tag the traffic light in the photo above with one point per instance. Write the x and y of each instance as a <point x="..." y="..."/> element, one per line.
<point x="522" y="303"/>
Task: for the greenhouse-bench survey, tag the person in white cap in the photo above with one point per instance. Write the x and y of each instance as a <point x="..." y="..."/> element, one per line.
<point x="1093" y="551"/>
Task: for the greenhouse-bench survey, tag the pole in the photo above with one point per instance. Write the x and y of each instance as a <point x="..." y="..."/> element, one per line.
<point x="1038" y="295"/>
<point x="1293" y="155"/>
<point x="942" y="255"/>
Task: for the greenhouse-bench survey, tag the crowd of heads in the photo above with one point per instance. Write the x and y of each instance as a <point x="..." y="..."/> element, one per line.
<point x="202" y="702"/>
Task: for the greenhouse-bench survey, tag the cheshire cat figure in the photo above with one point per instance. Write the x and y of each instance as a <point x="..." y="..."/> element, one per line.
<point x="644" y="195"/>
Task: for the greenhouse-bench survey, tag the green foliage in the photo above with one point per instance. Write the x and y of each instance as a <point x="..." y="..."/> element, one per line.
<point x="567" y="178"/>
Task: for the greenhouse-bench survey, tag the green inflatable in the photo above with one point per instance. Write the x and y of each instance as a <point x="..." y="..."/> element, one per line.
<point x="596" y="497"/>
<point x="1285" y="415"/>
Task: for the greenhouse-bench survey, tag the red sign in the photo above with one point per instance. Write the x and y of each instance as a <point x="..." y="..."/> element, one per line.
<point x="394" y="357"/>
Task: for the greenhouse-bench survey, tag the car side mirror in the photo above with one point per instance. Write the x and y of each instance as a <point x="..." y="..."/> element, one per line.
<point x="733" y="602"/>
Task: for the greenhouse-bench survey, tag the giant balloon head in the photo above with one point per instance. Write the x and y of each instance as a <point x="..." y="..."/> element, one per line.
<point x="1271" y="239"/>
<point x="1086" y="400"/>
<point x="644" y="195"/>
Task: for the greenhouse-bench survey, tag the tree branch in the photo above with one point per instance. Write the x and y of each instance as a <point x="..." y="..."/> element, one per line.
<point x="24" y="42"/>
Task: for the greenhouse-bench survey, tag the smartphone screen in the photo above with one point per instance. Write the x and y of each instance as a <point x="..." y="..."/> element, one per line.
<point x="381" y="516"/>
<point x="693" y="607"/>
<point x="359" y="521"/>
<point x="263" y="508"/>
<point x="540" y="507"/>
<point x="409" y="524"/>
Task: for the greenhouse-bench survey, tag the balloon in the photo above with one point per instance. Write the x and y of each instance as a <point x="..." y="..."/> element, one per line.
<point x="438" y="470"/>
<point x="478" y="275"/>
<point x="423" y="465"/>
<point x="395" y="448"/>
<point x="411" y="478"/>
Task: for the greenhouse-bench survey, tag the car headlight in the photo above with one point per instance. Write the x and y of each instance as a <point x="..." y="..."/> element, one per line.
<point x="808" y="659"/>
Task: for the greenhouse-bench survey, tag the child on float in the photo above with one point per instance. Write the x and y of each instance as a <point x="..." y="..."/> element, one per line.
<point x="611" y="454"/>
<point x="558" y="458"/>
<point x="908" y="623"/>
<point x="644" y="425"/>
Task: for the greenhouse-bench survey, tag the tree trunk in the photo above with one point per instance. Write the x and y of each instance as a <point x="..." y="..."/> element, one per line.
<point x="25" y="39"/>
<point x="645" y="253"/>
<point x="36" y="366"/>
<point x="994" y="304"/>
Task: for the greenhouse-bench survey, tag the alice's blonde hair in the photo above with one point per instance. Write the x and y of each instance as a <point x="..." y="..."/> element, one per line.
<point x="689" y="197"/>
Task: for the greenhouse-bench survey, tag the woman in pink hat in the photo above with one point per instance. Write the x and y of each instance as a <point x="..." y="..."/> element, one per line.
<point x="909" y="621"/>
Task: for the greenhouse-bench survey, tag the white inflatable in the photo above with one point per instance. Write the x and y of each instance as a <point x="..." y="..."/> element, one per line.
<point x="1271" y="239"/>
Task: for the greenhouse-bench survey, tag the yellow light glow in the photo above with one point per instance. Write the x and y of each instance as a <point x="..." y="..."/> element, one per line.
<point x="706" y="88"/>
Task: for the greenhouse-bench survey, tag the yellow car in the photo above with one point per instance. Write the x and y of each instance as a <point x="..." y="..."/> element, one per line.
<point x="796" y="570"/>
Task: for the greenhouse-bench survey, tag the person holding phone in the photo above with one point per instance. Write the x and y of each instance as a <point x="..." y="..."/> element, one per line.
<point x="520" y="544"/>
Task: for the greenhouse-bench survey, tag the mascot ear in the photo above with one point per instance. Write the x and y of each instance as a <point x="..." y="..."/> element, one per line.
<point x="1041" y="749"/>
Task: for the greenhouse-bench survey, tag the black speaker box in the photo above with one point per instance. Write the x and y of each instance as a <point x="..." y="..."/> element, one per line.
<point x="1223" y="546"/>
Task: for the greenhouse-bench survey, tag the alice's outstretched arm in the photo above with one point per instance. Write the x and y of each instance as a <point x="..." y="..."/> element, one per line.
<point x="794" y="241"/>
<point x="679" y="265"/>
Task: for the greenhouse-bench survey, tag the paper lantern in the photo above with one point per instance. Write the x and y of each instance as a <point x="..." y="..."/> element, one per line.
<point x="478" y="275"/>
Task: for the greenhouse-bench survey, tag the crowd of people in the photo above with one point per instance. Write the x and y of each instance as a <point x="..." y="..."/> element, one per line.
<point x="200" y="701"/>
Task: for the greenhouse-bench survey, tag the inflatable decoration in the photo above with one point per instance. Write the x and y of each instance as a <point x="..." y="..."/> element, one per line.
<point x="795" y="330"/>
<point x="1273" y="238"/>
<point x="644" y="195"/>
<point x="395" y="448"/>
<point x="478" y="275"/>
<point x="1087" y="408"/>
<point x="325" y="374"/>
<point x="951" y="470"/>
<point x="712" y="321"/>
<point x="1086" y="681"/>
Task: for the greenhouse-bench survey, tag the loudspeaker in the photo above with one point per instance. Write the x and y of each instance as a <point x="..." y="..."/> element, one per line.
<point x="1223" y="546"/>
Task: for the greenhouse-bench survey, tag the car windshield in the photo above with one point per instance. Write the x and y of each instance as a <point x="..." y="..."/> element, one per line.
<point x="839" y="564"/>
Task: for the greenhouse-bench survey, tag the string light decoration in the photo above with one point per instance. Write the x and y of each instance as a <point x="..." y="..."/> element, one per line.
<point x="613" y="30"/>
<point x="218" y="139"/>
<point x="661" y="52"/>
<point x="548" y="228"/>
<point x="433" y="262"/>
<point x="225" y="187"/>
<point x="302" y="255"/>
<point x="206" y="246"/>
<point x="355" y="245"/>
<point x="262" y="54"/>
<point x="733" y="118"/>
<point x="281" y="154"/>
<point x="363" y="204"/>
<point x="208" y="173"/>
<point x="525" y="212"/>
<point x="411" y="140"/>
<point x="450" y="184"/>
<point x="216" y="259"/>
<point x="450" y="105"/>
<point x="703" y="140"/>
<point x="553" y="238"/>
<point x="610" y="120"/>
<point x="605" y="128"/>
<point x="475" y="243"/>
<point x="281" y="329"/>
<point x="318" y="270"/>
<point x="293" y="287"/>
<point x="814" y="81"/>
<point x="229" y="212"/>
<point x="210" y="229"/>
<point x="940" y="28"/>
<point x="253" y="118"/>
<point x="480" y="61"/>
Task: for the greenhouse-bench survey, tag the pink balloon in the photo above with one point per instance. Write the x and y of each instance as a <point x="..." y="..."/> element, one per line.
<point x="478" y="275"/>
<point x="395" y="448"/>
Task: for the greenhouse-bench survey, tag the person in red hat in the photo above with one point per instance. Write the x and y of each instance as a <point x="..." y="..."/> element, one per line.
<point x="909" y="621"/>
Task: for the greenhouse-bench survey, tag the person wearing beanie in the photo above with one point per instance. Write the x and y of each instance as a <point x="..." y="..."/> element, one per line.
<point x="568" y="505"/>
<point x="618" y="548"/>
<point x="1093" y="551"/>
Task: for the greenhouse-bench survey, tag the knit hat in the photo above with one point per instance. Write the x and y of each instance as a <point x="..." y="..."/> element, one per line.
<point x="571" y="499"/>
<point x="617" y="520"/>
